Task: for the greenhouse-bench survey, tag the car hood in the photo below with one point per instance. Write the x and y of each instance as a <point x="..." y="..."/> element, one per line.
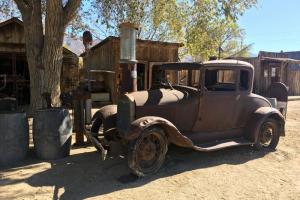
<point x="156" y="97"/>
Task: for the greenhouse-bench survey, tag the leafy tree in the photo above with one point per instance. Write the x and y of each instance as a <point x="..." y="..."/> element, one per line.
<point x="212" y="29"/>
<point x="159" y="19"/>
<point x="207" y="27"/>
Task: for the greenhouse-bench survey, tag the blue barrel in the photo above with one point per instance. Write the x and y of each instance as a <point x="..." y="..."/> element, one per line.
<point x="14" y="137"/>
<point x="52" y="133"/>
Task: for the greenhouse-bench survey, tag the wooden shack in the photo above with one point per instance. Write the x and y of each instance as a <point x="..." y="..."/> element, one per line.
<point x="273" y="67"/>
<point x="105" y="56"/>
<point x="13" y="63"/>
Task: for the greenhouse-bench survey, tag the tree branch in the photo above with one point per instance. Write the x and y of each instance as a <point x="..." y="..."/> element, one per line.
<point x="70" y="10"/>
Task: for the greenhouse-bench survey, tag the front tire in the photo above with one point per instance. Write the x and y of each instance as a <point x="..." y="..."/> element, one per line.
<point x="268" y="136"/>
<point x="147" y="153"/>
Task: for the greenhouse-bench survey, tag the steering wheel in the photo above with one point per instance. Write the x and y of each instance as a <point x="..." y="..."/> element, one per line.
<point x="165" y="82"/>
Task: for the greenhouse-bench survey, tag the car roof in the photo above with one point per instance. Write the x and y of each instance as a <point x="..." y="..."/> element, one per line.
<point x="197" y="65"/>
<point x="229" y="63"/>
<point x="180" y="66"/>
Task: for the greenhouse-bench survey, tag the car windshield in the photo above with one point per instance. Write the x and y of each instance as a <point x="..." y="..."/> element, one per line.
<point x="183" y="77"/>
<point x="176" y="74"/>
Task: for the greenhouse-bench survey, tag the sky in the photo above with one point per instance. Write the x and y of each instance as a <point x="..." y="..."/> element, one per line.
<point x="274" y="25"/>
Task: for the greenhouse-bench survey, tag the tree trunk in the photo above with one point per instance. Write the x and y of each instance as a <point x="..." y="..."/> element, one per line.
<point x="34" y="40"/>
<point x="44" y="49"/>
<point x="36" y="90"/>
<point x="52" y="59"/>
<point x="52" y="56"/>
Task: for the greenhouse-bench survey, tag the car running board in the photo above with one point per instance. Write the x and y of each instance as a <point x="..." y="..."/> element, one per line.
<point x="221" y="144"/>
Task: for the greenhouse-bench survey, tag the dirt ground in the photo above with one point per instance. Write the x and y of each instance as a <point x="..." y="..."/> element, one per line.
<point x="237" y="173"/>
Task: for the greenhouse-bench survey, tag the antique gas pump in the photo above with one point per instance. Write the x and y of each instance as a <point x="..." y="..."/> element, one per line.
<point x="128" y="34"/>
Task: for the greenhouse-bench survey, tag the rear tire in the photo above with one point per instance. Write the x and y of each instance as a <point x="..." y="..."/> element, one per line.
<point x="147" y="153"/>
<point x="268" y="136"/>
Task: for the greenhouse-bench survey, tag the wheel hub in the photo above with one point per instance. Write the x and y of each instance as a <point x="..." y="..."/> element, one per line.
<point x="266" y="136"/>
<point x="148" y="151"/>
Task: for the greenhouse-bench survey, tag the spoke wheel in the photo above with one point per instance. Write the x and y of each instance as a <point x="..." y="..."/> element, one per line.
<point x="267" y="134"/>
<point x="268" y="137"/>
<point x="147" y="153"/>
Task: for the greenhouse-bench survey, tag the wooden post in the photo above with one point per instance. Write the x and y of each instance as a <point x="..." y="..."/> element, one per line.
<point x="14" y="73"/>
<point x="79" y="119"/>
<point x="190" y="78"/>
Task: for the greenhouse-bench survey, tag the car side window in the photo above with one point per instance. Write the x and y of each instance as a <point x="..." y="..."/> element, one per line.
<point x="220" y="80"/>
<point x="244" y="80"/>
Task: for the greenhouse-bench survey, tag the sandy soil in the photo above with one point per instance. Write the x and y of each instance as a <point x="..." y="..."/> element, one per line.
<point x="237" y="173"/>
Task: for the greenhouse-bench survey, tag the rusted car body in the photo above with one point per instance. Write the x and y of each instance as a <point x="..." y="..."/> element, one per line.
<point x="219" y="111"/>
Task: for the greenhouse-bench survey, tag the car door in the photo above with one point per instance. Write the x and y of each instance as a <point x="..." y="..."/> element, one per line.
<point x="219" y="99"/>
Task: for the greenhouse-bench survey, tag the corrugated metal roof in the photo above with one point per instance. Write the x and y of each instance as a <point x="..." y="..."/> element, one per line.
<point x="288" y="60"/>
<point x="293" y="54"/>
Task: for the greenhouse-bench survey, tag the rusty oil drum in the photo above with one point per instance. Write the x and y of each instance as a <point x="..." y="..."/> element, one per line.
<point x="52" y="133"/>
<point x="14" y="137"/>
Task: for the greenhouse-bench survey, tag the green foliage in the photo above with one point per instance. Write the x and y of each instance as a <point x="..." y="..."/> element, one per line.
<point x="212" y="29"/>
<point x="159" y="19"/>
<point x="206" y="27"/>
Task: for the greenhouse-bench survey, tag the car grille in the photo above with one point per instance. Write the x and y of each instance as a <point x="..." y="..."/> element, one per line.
<point x="125" y="115"/>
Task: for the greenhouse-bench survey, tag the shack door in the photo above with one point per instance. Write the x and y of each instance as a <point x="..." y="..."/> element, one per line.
<point x="275" y="72"/>
<point x="271" y="73"/>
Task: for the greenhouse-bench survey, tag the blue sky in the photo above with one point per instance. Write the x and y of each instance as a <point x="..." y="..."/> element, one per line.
<point x="274" y="25"/>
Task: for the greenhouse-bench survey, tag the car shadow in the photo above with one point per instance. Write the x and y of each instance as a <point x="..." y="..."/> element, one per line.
<point x="85" y="175"/>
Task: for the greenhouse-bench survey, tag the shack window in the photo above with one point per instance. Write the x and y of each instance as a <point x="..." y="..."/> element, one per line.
<point x="220" y="80"/>
<point x="244" y="80"/>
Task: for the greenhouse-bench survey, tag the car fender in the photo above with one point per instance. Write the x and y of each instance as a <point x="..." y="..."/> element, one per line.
<point x="257" y="119"/>
<point x="173" y="134"/>
<point x="108" y="115"/>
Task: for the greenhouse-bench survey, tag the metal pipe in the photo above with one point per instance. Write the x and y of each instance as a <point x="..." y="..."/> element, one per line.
<point x="134" y="77"/>
<point x="88" y="111"/>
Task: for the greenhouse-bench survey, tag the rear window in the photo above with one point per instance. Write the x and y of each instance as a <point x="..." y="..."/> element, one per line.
<point x="244" y="80"/>
<point x="220" y="80"/>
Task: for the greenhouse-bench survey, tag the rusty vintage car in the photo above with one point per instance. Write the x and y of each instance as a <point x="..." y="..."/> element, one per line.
<point x="212" y="111"/>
